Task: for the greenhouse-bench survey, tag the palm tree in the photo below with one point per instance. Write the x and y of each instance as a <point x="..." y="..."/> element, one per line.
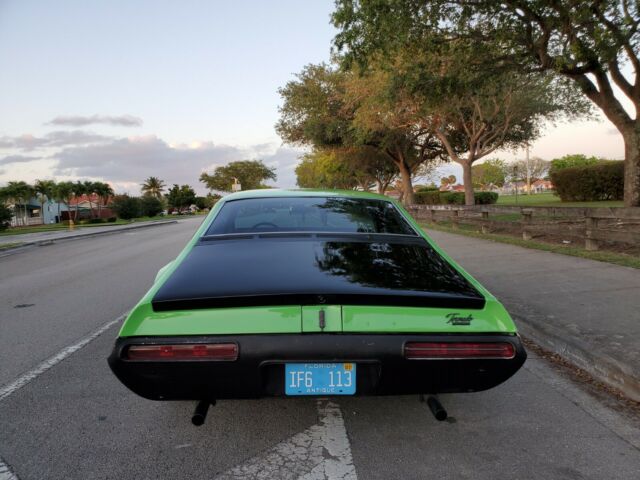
<point x="19" y="193"/>
<point x="63" y="193"/>
<point x="44" y="191"/>
<point x="79" y="189"/>
<point x="89" y="190"/>
<point x="153" y="186"/>
<point x="103" y="191"/>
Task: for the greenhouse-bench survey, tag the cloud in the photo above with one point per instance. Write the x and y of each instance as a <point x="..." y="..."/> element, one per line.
<point x="61" y="138"/>
<point x="81" y="121"/>
<point x="136" y="158"/>
<point x="131" y="160"/>
<point x="17" y="159"/>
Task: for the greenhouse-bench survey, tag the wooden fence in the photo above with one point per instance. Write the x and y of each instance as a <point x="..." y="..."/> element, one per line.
<point x="593" y="226"/>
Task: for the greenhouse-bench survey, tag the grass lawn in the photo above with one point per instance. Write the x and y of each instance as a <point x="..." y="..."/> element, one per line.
<point x="550" y="200"/>
<point x="600" y="255"/>
<point x="59" y="227"/>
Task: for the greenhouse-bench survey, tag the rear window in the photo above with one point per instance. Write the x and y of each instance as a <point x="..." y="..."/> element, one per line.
<point x="309" y="214"/>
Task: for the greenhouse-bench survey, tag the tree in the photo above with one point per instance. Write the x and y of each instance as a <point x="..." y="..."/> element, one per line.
<point x="150" y="206"/>
<point x="79" y="189"/>
<point x="586" y="42"/>
<point x="476" y="110"/>
<point x="18" y="193"/>
<point x="153" y="186"/>
<point x="103" y="191"/>
<point x="89" y="190"/>
<point x="326" y="108"/>
<point x="5" y="217"/>
<point x="63" y="193"/>
<point x="490" y="173"/>
<point x="450" y="180"/>
<point x="324" y="169"/>
<point x="574" y="160"/>
<point x="126" y="207"/>
<point x="179" y="197"/>
<point x="249" y="173"/>
<point x="532" y="170"/>
<point x="44" y="192"/>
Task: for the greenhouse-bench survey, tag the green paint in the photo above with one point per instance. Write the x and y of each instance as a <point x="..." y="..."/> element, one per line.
<point x="369" y="319"/>
<point x="311" y="318"/>
<point x="143" y="321"/>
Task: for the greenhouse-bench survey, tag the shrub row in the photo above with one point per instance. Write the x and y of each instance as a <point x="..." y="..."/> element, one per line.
<point x="127" y="207"/>
<point x="601" y="181"/>
<point x="453" y="198"/>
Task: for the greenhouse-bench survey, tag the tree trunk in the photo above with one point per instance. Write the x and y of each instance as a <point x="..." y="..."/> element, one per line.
<point x="632" y="166"/>
<point x="407" y="187"/>
<point x="469" y="199"/>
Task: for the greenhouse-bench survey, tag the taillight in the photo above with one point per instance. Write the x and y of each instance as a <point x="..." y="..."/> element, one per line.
<point x="458" y="350"/>
<point x="190" y="351"/>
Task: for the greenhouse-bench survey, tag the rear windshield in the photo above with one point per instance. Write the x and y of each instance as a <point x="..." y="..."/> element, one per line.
<point x="309" y="214"/>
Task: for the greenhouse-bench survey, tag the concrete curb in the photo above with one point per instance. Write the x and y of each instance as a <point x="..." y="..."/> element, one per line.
<point x="603" y="367"/>
<point x="78" y="236"/>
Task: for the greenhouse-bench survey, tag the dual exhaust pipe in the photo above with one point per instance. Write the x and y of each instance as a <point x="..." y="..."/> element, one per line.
<point x="202" y="408"/>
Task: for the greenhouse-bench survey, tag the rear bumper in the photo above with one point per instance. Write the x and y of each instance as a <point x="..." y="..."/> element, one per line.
<point x="259" y="369"/>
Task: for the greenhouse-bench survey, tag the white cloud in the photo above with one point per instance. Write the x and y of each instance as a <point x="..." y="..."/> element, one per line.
<point x="80" y="121"/>
<point x="17" y="159"/>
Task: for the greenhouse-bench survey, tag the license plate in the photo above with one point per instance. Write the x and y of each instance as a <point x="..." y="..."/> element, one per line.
<point x="320" y="378"/>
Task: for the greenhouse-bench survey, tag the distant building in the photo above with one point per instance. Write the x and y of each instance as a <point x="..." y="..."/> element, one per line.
<point x="36" y="214"/>
<point x="452" y="188"/>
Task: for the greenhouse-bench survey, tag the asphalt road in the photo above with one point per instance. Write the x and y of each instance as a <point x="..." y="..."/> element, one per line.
<point x="72" y="419"/>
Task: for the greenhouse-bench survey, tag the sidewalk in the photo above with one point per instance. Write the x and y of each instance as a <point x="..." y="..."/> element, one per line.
<point x="586" y="311"/>
<point x="42" y="238"/>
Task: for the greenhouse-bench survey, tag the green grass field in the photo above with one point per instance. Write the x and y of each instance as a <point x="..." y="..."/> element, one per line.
<point x="550" y="200"/>
<point x="574" y="251"/>
<point x="59" y="227"/>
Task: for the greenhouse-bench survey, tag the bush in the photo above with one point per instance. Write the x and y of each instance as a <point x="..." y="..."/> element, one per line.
<point x="126" y="207"/>
<point x="427" y="188"/>
<point x="95" y="220"/>
<point x="427" y="197"/>
<point x="5" y="217"/>
<point x="453" y="198"/>
<point x="151" y="206"/>
<point x="570" y="161"/>
<point x="111" y="219"/>
<point x="485" y="198"/>
<point x="602" y="181"/>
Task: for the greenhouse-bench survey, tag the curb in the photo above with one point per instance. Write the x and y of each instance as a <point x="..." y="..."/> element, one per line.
<point x="603" y="367"/>
<point x="78" y="236"/>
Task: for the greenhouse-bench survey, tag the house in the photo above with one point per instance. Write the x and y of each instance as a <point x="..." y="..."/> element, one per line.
<point x="452" y="188"/>
<point x="88" y="206"/>
<point x="541" y="186"/>
<point x="33" y="213"/>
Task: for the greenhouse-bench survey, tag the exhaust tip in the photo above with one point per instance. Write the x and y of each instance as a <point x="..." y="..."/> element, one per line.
<point x="437" y="409"/>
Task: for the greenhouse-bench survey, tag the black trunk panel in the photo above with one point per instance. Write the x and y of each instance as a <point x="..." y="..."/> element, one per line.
<point x="261" y="271"/>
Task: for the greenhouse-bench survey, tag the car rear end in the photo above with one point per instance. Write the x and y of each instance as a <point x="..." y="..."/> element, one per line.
<point x="329" y="296"/>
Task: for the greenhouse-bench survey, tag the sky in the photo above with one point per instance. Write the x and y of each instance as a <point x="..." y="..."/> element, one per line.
<point x="118" y="91"/>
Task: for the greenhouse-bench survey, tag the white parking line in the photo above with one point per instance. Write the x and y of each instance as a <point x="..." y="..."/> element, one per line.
<point x="321" y="452"/>
<point x="5" y="472"/>
<point x="24" y="379"/>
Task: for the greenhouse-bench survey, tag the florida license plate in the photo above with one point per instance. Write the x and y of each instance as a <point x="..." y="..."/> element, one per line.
<point x="320" y="378"/>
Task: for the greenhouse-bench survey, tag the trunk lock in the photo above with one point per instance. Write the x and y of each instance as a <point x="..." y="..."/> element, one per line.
<point x="322" y="323"/>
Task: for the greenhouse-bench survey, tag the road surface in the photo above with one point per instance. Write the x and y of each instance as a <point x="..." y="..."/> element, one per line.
<point x="64" y="415"/>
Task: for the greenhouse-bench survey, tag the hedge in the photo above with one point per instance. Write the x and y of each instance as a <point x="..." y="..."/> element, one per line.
<point x="602" y="181"/>
<point x="453" y="198"/>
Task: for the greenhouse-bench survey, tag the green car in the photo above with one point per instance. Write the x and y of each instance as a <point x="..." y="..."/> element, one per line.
<point x="288" y="293"/>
